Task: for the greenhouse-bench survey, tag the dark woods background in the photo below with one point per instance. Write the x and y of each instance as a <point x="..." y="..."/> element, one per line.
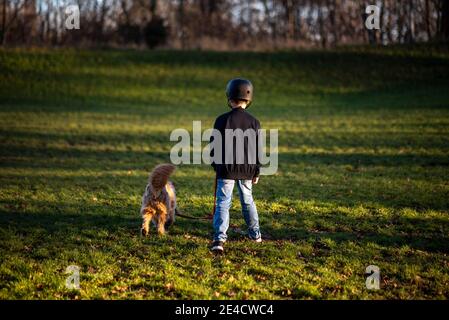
<point x="220" y="24"/>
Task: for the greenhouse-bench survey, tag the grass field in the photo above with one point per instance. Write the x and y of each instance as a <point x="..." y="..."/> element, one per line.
<point x="363" y="174"/>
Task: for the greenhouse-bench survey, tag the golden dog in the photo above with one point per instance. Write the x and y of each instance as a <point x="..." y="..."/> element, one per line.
<point x="159" y="200"/>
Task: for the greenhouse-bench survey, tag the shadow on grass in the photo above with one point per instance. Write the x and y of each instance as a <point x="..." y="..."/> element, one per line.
<point x="428" y="234"/>
<point x="367" y="140"/>
<point x="396" y="97"/>
<point x="380" y="79"/>
<point x="350" y="191"/>
<point x="45" y="156"/>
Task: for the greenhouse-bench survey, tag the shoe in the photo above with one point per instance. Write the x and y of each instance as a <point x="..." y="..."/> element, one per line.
<point x="217" y="246"/>
<point x="258" y="240"/>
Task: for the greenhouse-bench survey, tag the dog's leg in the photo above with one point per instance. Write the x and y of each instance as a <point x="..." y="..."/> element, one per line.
<point x="170" y="203"/>
<point x="147" y="216"/>
<point x="171" y="214"/>
<point x="170" y="219"/>
<point x="172" y="210"/>
<point x="161" y="219"/>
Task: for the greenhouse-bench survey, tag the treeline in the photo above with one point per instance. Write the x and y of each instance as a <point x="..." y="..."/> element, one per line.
<point x="221" y="24"/>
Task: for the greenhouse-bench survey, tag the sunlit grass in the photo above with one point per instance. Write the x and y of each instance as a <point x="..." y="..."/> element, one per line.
<point x="363" y="174"/>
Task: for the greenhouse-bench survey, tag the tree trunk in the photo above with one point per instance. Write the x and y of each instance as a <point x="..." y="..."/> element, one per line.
<point x="153" y="8"/>
<point x="411" y="8"/>
<point x="444" y="30"/>
<point x="429" y="35"/>
<point x="289" y="15"/>
<point x="100" y="32"/>
<point x="181" y="22"/>
<point x="321" y="28"/>
<point x="332" y="7"/>
<point x="271" y="23"/>
<point x="3" y="30"/>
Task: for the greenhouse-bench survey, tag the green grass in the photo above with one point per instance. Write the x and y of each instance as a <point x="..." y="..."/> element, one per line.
<point x="363" y="174"/>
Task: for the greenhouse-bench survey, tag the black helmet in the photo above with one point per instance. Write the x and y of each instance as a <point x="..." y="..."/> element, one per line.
<point x="240" y="89"/>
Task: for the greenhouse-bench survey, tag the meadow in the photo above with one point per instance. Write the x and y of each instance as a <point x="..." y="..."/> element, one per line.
<point x="363" y="174"/>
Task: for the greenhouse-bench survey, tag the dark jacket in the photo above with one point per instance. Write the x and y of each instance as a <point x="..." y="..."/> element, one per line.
<point x="237" y="118"/>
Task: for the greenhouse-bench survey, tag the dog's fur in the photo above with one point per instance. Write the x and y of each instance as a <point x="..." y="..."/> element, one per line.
<point x="159" y="200"/>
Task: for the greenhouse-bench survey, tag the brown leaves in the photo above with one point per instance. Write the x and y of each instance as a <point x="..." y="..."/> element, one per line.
<point x="260" y="277"/>
<point x="231" y="293"/>
<point x="169" y="287"/>
<point x="119" y="289"/>
<point x="286" y="292"/>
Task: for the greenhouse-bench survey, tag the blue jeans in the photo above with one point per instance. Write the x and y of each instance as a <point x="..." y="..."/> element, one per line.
<point x="224" y="199"/>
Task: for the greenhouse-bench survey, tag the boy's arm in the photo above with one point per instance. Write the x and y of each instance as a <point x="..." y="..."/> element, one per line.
<point x="212" y="151"/>
<point x="256" y="175"/>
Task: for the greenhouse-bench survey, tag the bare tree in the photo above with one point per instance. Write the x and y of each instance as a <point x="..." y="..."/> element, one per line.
<point x="221" y="24"/>
<point x="9" y="16"/>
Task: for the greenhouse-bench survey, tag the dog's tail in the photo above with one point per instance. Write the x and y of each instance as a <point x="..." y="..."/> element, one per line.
<point x="159" y="176"/>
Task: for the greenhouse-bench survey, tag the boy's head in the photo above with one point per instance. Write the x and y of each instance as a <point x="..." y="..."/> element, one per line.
<point x="239" y="93"/>
<point x="238" y="103"/>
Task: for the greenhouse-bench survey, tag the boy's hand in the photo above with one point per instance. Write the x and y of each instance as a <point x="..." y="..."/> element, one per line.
<point x="255" y="180"/>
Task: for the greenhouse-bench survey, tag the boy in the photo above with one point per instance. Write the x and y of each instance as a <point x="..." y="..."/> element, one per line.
<point x="239" y="165"/>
